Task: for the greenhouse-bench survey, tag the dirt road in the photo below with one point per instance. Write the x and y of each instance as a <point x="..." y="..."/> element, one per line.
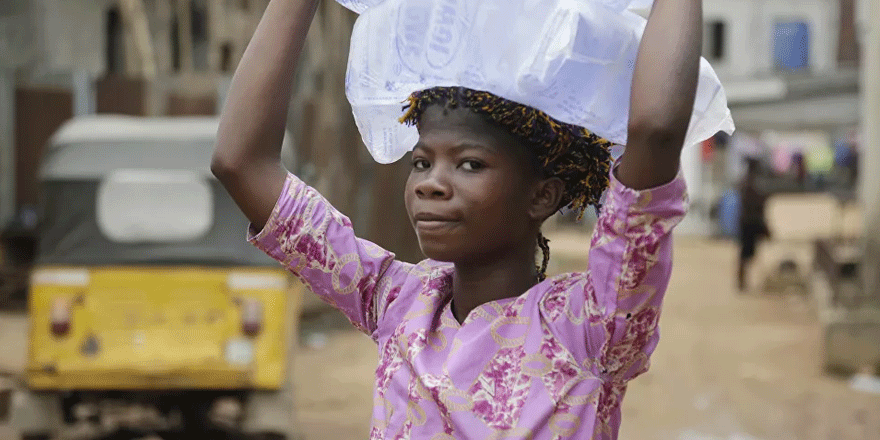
<point x="13" y="331"/>
<point x="728" y="367"/>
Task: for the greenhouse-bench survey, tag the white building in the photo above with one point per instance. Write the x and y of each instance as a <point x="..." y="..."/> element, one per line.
<point x="788" y="66"/>
<point x="791" y="53"/>
<point x="742" y="36"/>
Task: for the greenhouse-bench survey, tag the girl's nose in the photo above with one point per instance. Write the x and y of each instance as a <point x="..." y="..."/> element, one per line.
<point x="433" y="186"/>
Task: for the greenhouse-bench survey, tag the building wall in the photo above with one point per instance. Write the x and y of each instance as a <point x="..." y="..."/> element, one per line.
<point x="7" y="145"/>
<point x="16" y="33"/>
<point x="74" y="34"/>
<point x="70" y="36"/>
<point x="736" y="14"/>
<point x="750" y="33"/>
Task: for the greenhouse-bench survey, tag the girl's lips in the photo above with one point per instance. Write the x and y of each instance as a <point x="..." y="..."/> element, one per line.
<point x="434" y="225"/>
<point x="429" y="216"/>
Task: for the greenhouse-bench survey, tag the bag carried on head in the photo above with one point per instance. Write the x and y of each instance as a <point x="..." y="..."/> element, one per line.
<point x="572" y="59"/>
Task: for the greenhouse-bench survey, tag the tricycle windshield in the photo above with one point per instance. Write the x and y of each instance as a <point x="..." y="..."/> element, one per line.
<point x="177" y="219"/>
<point x="154" y="206"/>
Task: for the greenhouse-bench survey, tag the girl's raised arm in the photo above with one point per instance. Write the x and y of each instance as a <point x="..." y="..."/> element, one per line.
<point x="247" y="156"/>
<point x="663" y="90"/>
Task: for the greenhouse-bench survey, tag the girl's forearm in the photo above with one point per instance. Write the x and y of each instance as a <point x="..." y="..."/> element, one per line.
<point x="667" y="71"/>
<point x="253" y="118"/>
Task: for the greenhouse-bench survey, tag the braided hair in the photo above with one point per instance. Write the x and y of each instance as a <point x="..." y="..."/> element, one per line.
<point x="578" y="157"/>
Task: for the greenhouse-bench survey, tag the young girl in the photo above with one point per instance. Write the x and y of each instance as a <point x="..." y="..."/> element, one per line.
<point x="474" y="342"/>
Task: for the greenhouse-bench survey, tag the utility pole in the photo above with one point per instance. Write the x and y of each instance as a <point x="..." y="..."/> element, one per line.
<point x="869" y="168"/>
<point x="851" y="331"/>
<point x="184" y="35"/>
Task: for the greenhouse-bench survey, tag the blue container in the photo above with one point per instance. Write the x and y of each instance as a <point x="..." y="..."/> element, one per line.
<point x="728" y="213"/>
<point x="791" y="45"/>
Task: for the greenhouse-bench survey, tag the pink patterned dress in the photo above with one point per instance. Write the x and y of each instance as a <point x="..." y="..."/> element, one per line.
<point x="552" y="363"/>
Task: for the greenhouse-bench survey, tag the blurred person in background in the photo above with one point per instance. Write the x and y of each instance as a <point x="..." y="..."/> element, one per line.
<point x="846" y="161"/>
<point x="752" y="224"/>
<point x="799" y="167"/>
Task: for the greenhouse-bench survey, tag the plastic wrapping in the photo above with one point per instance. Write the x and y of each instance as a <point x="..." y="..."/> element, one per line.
<point x="360" y="6"/>
<point x="573" y="59"/>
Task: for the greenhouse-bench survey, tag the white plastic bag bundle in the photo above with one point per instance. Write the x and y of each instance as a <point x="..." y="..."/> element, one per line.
<point x="573" y="59"/>
<point x="360" y="6"/>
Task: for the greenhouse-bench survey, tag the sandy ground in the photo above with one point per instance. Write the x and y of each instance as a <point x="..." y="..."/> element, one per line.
<point x="728" y="367"/>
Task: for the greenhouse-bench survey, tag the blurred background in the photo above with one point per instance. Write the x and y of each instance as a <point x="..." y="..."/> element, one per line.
<point x="133" y="308"/>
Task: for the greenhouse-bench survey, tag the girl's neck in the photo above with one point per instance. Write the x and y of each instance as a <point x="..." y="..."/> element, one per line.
<point x="474" y="284"/>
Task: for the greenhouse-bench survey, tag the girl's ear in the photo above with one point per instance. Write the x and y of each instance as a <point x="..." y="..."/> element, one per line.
<point x="545" y="198"/>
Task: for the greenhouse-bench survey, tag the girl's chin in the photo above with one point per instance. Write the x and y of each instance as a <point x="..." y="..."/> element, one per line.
<point x="437" y="251"/>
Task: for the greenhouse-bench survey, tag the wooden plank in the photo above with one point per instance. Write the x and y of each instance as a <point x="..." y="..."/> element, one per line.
<point x="38" y="113"/>
<point x="184" y="34"/>
<point x="118" y="94"/>
<point x="135" y="18"/>
<point x="215" y="33"/>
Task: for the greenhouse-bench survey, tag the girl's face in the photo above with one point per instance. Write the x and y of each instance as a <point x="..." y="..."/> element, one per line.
<point x="471" y="190"/>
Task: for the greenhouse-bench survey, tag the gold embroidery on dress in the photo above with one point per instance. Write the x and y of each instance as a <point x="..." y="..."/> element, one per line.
<point x="564" y="424"/>
<point x="450" y="392"/>
<point x="533" y="371"/>
<point x="505" y="342"/>
<point x="511" y="434"/>
<point x="416" y="414"/>
<point x="337" y="271"/>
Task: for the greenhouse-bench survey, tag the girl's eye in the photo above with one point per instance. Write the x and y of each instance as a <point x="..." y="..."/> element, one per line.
<point x="421" y="164"/>
<point x="471" y="165"/>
